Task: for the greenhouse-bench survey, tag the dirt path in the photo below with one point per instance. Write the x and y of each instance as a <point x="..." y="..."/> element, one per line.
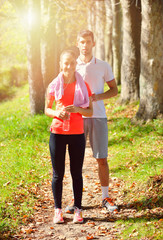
<point x="98" y="224"/>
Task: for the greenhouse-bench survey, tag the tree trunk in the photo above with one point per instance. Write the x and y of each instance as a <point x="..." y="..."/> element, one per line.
<point x="130" y="68"/>
<point x="117" y="40"/>
<point x="36" y="87"/>
<point x="100" y="28"/>
<point x="91" y="16"/>
<point x="49" y="46"/>
<point x="91" y="19"/>
<point x="151" y="76"/>
<point x="108" y="31"/>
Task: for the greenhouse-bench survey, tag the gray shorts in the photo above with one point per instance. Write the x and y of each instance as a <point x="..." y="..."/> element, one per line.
<point x="97" y="130"/>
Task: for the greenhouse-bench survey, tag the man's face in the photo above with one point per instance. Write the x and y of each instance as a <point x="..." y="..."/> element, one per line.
<point x="85" y="45"/>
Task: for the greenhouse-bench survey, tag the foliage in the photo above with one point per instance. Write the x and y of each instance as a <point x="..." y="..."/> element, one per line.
<point x="10" y="78"/>
<point x="15" y="19"/>
<point x="13" y="37"/>
<point x="68" y="19"/>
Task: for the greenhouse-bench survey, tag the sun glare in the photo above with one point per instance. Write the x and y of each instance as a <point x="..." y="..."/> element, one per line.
<point x="31" y="18"/>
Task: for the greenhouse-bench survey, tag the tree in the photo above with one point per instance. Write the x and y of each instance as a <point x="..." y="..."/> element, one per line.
<point x="49" y="46"/>
<point x="130" y="68"/>
<point x="108" y="32"/>
<point x="151" y="75"/>
<point x="100" y="29"/>
<point x="36" y="86"/>
<point x="91" y="20"/>
<point x="117" y="39"/>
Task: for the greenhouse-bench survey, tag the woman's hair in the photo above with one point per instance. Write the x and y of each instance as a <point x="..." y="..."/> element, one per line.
<point x="68" y="52"/>
<point x="85" y="33"/>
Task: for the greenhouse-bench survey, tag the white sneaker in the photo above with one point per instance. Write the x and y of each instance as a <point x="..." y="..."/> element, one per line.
<point x="58" y="216"/>
<point x="109" y="205"/>
<point x="78" y="215"/>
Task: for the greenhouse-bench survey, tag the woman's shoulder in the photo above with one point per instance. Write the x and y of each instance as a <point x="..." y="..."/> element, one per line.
<point x="53" y="82"/>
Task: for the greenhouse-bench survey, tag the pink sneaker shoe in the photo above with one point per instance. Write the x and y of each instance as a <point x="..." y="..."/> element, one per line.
<point x="77" y="215"/>
<point x="58" y="217"/>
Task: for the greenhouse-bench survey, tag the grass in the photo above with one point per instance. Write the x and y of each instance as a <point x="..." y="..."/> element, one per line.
<point x="142" y="229"/>
<point x="135" y="156"/>
<point x="24" y="158"/>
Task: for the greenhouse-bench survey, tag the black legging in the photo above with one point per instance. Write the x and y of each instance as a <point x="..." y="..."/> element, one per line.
<point x="76" y="149"/>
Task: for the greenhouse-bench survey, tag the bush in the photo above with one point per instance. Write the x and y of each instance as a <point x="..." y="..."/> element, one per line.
<point x="14" y="76"/>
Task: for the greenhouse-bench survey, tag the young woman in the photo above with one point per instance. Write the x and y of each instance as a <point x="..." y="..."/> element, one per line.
<point x="72" y="97"/>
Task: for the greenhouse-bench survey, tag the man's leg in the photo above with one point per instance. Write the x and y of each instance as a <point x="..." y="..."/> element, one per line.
<point x="103" y="171"/>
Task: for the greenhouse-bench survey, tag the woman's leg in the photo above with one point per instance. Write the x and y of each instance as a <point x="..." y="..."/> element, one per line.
<point x="76" y="149"/>
<point x="57" y="146"/>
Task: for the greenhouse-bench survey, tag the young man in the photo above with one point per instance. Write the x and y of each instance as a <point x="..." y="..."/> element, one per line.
<point x="96" y="72"/>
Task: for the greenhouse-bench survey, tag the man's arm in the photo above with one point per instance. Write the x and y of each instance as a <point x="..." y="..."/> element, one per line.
<point x="113" y="91"/>
<point x="87" y="112"/>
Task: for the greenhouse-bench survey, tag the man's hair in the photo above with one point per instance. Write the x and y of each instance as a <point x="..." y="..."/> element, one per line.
<point x="85" y="33"/>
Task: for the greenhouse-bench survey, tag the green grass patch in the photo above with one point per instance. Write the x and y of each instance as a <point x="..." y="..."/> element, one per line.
<point x="135" y="156"/>
<point x="24" y="157"/>
<point x="141" y="229"/>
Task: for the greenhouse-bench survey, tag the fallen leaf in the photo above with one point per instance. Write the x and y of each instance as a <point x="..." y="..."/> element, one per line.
<point x="7" y="183"/>
<point x="29" y="230"/>
<point x="90" y="237"/>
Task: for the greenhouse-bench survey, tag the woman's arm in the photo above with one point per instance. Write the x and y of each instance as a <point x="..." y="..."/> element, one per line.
<point x="87" y="112"/>
<point x="50" y="112"/>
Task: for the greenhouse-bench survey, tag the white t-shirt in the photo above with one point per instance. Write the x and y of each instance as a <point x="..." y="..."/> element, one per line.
<point x="96" y="73"/>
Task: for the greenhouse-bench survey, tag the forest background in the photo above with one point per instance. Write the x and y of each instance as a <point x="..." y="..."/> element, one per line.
<point x="128" y="34"/>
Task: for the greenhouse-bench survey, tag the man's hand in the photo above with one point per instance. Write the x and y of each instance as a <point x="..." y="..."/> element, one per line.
<point x="94" y="97"/>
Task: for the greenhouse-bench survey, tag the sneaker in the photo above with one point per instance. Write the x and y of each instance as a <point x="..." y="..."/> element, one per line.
<point x="58" y="217"/>
<point x="70" y="207"/>
<point x="77" y="215"/>
<point x="109" y="205"/>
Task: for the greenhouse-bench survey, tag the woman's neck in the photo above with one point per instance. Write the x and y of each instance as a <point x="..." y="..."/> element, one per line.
<point x="68" y="79"/>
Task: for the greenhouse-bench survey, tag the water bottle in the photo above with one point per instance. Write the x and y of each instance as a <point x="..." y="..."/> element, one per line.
<point x="66" y="123"/>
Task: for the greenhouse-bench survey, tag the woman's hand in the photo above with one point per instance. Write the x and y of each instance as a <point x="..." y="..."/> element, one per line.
<point x="72" y="109"/>
<point x="62" y="114"/>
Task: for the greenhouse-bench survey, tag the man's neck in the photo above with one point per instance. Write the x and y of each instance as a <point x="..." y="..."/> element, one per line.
<point x="85" y="59"/>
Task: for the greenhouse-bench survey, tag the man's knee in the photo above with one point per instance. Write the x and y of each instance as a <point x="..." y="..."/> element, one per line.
<point x="102" y="162"/>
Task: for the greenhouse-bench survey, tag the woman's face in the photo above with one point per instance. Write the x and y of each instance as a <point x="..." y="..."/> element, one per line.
<point x="68" y="65"/>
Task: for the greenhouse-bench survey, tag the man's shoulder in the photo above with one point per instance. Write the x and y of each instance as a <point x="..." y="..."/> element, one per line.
<point x="102" y="62"/>
<point x="103" y="65"/>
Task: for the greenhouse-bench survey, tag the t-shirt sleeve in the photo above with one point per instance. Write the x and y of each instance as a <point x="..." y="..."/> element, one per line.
<point x="88" y="89"/>
<point x="50" y="98"/>
<point x="108" y="73"/>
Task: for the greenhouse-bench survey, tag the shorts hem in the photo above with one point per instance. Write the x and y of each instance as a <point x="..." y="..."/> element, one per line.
<point x="99" y="157"/>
